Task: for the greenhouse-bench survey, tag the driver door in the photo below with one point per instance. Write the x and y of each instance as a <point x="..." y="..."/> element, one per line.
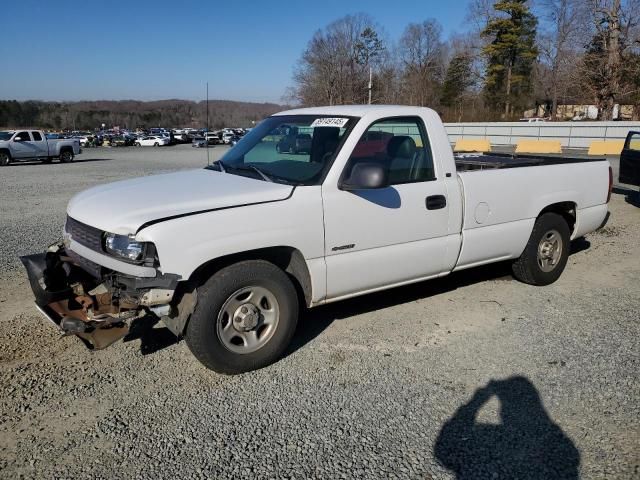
<point x="22" y="148"/>
<point x="393" y="235"/>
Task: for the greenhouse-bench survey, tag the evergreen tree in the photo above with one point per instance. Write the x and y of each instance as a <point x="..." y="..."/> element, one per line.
<point x="510" y="55"/>
<point x="457" y="80"/>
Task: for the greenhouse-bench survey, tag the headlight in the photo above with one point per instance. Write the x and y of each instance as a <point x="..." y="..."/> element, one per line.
<point x="124" y="246"/>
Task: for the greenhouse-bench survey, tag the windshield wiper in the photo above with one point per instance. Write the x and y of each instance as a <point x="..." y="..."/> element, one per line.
<point x="247" y="167"/>
<point x="223" y="169"/>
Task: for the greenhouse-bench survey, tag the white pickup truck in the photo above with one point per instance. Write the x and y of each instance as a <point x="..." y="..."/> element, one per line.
<point x="227" y="256"/>
<point x="21" y="145"/>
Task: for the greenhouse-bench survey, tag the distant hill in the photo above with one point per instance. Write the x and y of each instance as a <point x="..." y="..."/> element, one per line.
<point x="88" y="115"/>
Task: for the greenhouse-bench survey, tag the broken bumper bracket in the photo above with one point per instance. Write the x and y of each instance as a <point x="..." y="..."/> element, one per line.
<point x="55" y="299"/>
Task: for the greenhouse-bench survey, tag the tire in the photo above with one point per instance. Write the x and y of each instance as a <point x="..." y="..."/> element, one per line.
<point x="137" y="144"/>
<point x="156" y="144"/>
<point x="547" y="251"/>
<point x="5" y="159"/>
<point x="66" y="156"/>
<point x="217" y="338"/>
<point x="277" y="148"/>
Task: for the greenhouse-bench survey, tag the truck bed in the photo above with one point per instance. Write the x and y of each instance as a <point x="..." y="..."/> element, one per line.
<point x="482" y="161"/>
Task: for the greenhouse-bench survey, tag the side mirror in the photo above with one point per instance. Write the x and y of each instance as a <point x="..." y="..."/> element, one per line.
<point x="17" y="139"/>
<point x="366" y="176"/>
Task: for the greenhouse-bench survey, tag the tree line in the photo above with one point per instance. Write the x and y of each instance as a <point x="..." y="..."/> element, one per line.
<point x="132" y="114"/>
<point x="517" y="55"/>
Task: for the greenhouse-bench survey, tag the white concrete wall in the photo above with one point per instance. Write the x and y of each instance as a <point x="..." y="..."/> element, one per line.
<point x="570" y="134"/>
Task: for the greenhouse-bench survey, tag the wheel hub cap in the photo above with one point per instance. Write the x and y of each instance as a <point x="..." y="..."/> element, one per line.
<point x="549" y="250"/>
<point x="246" y="317"/>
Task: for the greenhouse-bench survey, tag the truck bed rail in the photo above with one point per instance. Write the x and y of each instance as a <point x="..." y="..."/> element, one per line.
<point x="481" y="161"/>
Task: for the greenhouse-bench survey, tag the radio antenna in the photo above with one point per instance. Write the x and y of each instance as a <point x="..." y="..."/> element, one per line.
<point x="206" y="132"/>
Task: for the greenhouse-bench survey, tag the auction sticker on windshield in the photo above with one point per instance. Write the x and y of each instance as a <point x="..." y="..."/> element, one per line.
<point x="330" y="122"/>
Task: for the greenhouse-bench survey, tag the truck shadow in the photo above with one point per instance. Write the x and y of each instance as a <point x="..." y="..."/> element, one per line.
<point x="313" y="322"/>
<point x="631" y="196"/>
<point x="152" y="338"/>
<point x="525" y="443"/>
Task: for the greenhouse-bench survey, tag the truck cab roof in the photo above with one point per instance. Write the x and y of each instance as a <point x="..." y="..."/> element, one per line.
<point x="360" y="110"/>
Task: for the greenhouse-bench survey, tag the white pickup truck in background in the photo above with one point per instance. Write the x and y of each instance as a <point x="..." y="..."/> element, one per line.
<point x="22" y="145"/>
<point x="226" y="256"/>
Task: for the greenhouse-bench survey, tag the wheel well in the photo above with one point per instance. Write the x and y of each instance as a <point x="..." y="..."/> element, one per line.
<point x="566" y="210"/>
<point x="66" y="149"/>
<point x="6" y="150"/>
<point x="288" y="259"/>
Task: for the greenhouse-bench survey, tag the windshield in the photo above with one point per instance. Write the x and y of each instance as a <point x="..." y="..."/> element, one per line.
<point x="6" y="135"/>
<point x="295" y="149"/>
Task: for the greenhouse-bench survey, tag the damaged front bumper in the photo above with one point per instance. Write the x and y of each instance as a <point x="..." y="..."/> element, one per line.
<point x="99" y="309"/>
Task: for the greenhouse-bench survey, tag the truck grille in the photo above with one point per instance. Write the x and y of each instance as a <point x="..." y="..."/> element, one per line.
<point x="88" y="266"/>
<point x="86" y="235"/>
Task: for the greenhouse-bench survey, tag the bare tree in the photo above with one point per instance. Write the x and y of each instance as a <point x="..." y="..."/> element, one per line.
<point x="335" y="65"/>
<point x="560" y="44"/>
<point x="614" y="35"/>
<point x="423" y="55"/>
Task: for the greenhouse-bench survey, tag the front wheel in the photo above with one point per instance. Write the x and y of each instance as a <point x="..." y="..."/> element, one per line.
<point x="66" y="156"/>
<point x="245" y="317"/>
<point x="156" y="144"/>
<point x="5" y="159"/>
<point x="546" y="253"/>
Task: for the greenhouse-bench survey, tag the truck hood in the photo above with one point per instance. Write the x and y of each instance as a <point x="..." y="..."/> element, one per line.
<point x="123" y="207"/>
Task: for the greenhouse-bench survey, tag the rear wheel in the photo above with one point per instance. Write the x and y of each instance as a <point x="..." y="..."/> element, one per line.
<point x="156" y="144"/>
<point x="5" y="159"/>
<point x="245" y="317"/>
<point x="66" y="156"/>
<point x="546" y="254"/>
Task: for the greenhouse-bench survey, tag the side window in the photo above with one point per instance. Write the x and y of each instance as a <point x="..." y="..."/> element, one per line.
<point x="24" y="136"/>
<point x="36" y="136"/>
<point x="401" y="145"/>
<point x="634" y="142"/>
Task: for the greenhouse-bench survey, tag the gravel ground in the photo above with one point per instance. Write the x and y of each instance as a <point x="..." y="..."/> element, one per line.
<point x="474" y="376"/>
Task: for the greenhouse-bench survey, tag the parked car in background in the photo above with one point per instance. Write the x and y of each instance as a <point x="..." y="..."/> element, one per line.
<point x="21" y="145"/>
<point x="85" y="139"/>
<point x="213" y="138"/>
<point x="180" y="136"/>
<point x="152" y="141"/>
<point x="234" y="140"/>
<point x="118" y="141"/>
<point x="199" y="142"/>
<point x="533" y="120"/>
<point x="294" y="142"/>
<point x="226" y="137"/>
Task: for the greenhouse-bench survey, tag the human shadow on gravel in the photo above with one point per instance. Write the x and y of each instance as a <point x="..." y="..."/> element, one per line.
<point x="313" y="322"/>
<point x="526" y="444"/>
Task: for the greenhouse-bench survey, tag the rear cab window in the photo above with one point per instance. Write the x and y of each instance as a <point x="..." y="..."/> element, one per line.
<point x="36" y="136"/>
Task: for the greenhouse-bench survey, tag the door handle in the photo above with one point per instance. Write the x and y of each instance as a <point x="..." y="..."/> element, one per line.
<point x="436" y="202"/>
